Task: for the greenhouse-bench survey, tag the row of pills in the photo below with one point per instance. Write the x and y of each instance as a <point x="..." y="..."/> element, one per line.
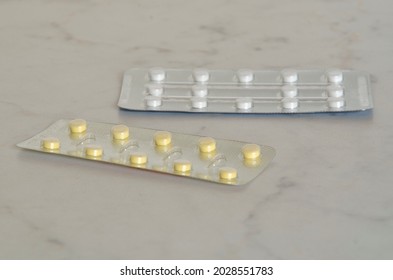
<point x="245" y="103"/>
<point x="244" y="76"/>
<point x="157" y="90"/>
<point x="251" y="153"/>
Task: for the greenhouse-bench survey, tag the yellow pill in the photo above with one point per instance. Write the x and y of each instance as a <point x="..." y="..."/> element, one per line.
<point x="251" y="151"/>
<point x="78" y="126"/>
<point x="207" y="144"/>
<point x="182" y="165"/>
<point x="162" y="138"/>
<point x="93" y="151"/>
<point x="228" y="173"/>
<point x="120" y="132"/>
<point x="51" y="143"/>
<point x="138" y="158"/>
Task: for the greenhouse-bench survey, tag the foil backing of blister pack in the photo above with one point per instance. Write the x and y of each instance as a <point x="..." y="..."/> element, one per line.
<point x="245" y="91"/>
<point x="204" y="158"/>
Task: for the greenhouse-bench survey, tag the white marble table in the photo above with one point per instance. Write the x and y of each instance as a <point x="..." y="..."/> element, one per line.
<point x="327" y="195"/>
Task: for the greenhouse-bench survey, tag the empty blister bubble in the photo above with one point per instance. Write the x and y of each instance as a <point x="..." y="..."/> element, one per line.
<point x="244" y="91"/>
<point x="200" y="157"/>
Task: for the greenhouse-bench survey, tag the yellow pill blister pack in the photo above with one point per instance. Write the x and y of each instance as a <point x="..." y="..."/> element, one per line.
<point x="199" y="157"/>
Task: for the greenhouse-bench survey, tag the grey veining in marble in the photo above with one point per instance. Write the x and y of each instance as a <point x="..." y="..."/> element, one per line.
<point x="327" y="195"/>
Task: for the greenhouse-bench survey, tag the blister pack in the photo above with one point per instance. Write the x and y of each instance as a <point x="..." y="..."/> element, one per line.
<point x="199" y="157"/>
<point x="245" y="91"/>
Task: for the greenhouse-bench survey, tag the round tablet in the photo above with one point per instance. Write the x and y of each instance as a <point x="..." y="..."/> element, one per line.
<point x="138" y="158"/>
<point x="228" y="173"/>
<point x="200" y="75"/>
<point x="251" y="151"/>
<point x="335" y="91"/>
<point x="336" y="103"/>
<point x="51" y="143"/>
<point x="153" y="101"/>
<point x="155" y="90"/>
<point x="198" y="102"/>
<point x="289" y="75"/>
<point x="162" y="138"/>
<point x="244" y="103"/>
<point x="199" y="90"/>
<point x="334" y="76"/>
<point x="245" y="75"/>
<point x="120" y="132"/>
<point x="207" y="144"/>
<point x="289" y="91"/>
<point x="289" y="103"/>
<point x="78" y="126"/>
<point x="157" y="74"/>
<point x="182" y="165"/>
<point x="93" y="151"/>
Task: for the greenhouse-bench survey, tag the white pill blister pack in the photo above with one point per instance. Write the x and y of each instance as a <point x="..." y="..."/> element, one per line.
<point x="199" y="157"/>
<point x="245" y="91"/>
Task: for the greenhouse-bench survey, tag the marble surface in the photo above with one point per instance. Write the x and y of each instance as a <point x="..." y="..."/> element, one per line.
<point x="327" y="195"/>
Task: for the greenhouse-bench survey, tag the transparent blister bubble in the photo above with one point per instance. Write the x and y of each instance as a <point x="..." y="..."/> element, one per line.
<point x="245" y="91"/>
<point x="199" y="157"/>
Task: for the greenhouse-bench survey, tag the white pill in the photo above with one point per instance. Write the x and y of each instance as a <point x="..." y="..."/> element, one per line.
<point x="336" y="102"/>
<point x="289" y="91"/>
<point x="245" y="76"/>
<point x="335" y="91"/>
<point x="289" y="75"/>
<point x="244" y="103"/>
<point x="201" y="75"/>
<point x="198" y="102"/>
<point x="153" y="101"/>
<point x="334" y="76"/>
<point x="157" y="74"/>
<point x="155" y="90"/>
<point x="289" y="103"/>
<point x="199" y="90"/>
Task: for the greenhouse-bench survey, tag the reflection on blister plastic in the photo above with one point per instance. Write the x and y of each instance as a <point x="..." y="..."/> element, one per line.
<point x="205" y="158"/>
<point x="245" y="91"/>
